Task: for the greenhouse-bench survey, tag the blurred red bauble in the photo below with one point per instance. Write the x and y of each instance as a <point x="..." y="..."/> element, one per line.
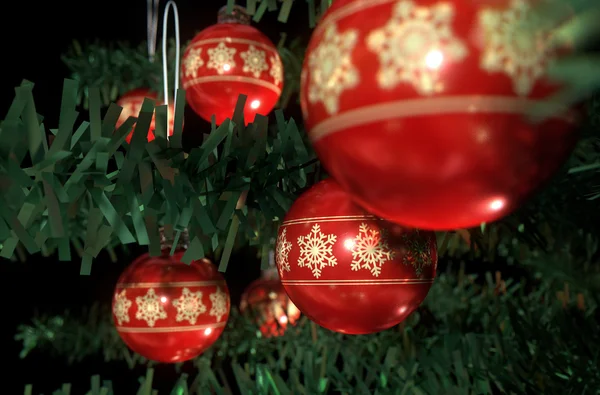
<point x="269" y="305"/>
<point x="132" y="104"/>
<point x="418" y="108"/>
<point x="229" y="59"/>
<point x="168" y="311"/>
<point x="347" y="270"/>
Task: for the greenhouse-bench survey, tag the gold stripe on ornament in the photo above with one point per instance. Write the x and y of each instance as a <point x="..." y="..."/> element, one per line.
<point x="231" y="40"/>
<point x="332" y="219"/>
<point x="399" y="281"/>
<point x="171" y="328"/>
<point x="352" y="8"/>
<point x="225" y="78"/>
<point x="174" y="284"/>
<point x="468" y="104"/>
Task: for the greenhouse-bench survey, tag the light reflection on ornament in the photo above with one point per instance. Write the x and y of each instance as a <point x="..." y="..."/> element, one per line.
<point x="497" y="204"/>
<point x="163" y="299"/>
<point x="434" y="59"/>
<point x="349" y="244"/>
<point x="207" y="331"/>
<point x="255" y="104"/>
<point x="226" y="67"/>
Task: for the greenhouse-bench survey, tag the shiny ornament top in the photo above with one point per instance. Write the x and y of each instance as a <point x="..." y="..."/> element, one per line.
<point x="229" y="59"/>
<point x="420" y="58"/>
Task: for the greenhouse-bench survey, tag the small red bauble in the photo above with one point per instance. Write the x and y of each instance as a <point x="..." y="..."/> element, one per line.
<point x="229" y="59"/>
<point x="347" y="270"/>
<point x="168" y="311"/>
<point x="132" y="101"/>
<point x="270" y="306"/>
<point x="418" y="108"/>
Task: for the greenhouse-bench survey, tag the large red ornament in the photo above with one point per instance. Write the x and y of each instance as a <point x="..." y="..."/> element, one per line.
<point x="418" y="108"/>
<point x="347" y="270"/>
<point x="132" y="101"/>
<point x="269" y="305"/>
<point x="229" y="59"/>
<point x="168" y="311"/>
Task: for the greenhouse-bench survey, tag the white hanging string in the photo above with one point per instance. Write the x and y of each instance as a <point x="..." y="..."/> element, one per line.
<point x="170" y="4"/>
<point x="151" y="27"/>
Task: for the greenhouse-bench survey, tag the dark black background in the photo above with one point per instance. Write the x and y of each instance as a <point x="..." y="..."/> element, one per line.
<point x="33" y="36"/>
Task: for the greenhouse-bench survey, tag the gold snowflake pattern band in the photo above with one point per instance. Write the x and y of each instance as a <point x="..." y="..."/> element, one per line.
<point x="411" y="47"/>
<point x="369" y="249"/>
<point x="151" y="306"/>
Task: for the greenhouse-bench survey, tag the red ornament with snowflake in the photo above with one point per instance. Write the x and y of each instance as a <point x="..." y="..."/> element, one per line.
<point x="268" y="304"/>
<point x="132" y="101"/>
<point x="418" y="108"/>
<point x="168" y="311"/>
<point x="347" y="270"/>
<point x="229" y="59"/>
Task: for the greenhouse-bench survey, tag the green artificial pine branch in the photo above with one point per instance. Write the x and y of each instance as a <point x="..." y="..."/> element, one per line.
<point x="470" y="336"/>
<point x="90" y="188"/>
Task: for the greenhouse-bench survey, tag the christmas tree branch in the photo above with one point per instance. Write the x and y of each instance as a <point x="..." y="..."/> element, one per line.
<point x="91" y="188"/>
<point x="480" y="331"/>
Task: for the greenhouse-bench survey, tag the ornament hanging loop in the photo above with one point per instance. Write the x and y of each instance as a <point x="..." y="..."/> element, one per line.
<point x="170" y="5"/>
<point x="151" y="27"/>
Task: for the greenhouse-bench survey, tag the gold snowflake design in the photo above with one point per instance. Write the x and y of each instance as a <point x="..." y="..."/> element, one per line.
<point x="189" y="306"/>
<point x="149" y="308"/>
<point x="316" y="250"/>
<point x="121" y="307"/>
<point x="331" y="68"/>
<point x="370" y="250"/>
<point x="219" y="304"/>
<point x="276" y="69"/>
<point x="221" y="58"/>
<point x="254" y="61"/>
<point x="282" y="251"/>
<point x="192" y="62"/>
<point x="418" y="251"/>
<point x="413" y="44"/>
<point x="513" y="47"/>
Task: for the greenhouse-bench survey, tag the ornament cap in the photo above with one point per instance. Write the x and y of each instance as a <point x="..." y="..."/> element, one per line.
<point x="271" y="272"/>
<point x="167" y="240"/>
<point x="238" y="15"/>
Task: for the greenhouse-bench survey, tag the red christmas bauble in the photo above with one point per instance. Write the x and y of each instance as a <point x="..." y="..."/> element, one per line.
<point x="132" y="101"/>
<point x="168" y="311"/>
<point x="229" y="59"/>
<point x="270" y="306"/>
<point x="347" y="270"/>
<point x="418" y="108"/>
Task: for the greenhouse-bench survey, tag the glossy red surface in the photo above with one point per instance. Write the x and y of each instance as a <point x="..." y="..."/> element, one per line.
<point x="266" y="300"/>
<point x="132" y="104"/>
<point x="226" y="60"/>
<point x="417" y="108"/>
<point x="342" y="273"/>
<point x="168" y="311"/>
